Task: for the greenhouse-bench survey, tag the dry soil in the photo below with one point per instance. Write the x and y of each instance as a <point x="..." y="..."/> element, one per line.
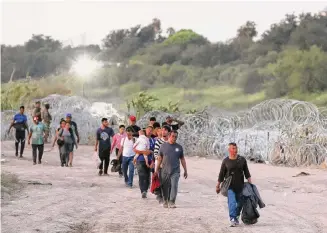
<point x="80" y="201"/>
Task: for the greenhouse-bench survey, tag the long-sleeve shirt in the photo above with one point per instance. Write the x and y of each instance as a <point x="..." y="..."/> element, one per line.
<point x="116" y="140"/>
<point x="238" y="168"/>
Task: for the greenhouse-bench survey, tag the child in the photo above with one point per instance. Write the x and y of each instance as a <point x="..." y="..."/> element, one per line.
<point x="142" y="144"/>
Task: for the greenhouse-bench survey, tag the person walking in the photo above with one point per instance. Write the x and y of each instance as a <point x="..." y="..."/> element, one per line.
<point x="66" y="136"/>
<point x="61" y="147"/>
<point x="144" y="171"/>
<point x="37" y="132"/>
<point x="236" y="166"/>
<point x="170" y="156"/>
<point x="37" y="110"/>
<point x="19" y="122"/>
<point x="116" y="145"/>
<point x="163" y="139"/>
<point x="73" y="126"/>
<point x="103" y="145"/>
<point x="127" y="153"/>
<point x="46" y="116"/>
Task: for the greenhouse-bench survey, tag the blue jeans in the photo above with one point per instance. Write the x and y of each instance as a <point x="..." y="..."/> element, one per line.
<point x="127" y="164"/>
<point x="234" y="204"/>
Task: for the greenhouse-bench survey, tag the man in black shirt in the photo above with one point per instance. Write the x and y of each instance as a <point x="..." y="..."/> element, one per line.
<point x="133" y="126"/>
<point x="236" y="166"/>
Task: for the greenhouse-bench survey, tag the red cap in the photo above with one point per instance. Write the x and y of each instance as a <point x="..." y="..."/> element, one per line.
<point x="132" y="118"/>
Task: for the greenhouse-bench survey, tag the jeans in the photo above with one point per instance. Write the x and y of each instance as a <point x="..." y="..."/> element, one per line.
<point x="234" y="204"/>
<point x="120" y="162"/>
<point x="20" y="138"/>
<point x="169" y="184"/>
<point x="40" y="148"/>
<point x="62" y="154"/>
<point x="104" y="156"/>
<point x="128" y="165"/>
<point x="144" y="176"/>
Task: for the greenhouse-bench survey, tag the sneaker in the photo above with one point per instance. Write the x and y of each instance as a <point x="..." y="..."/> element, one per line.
<point x="165" y="205"/>
<point x="237" y="220"/>
<point x="100" y="172"/>
<point x="39" y="162"/>
<point x="21" y="156"/>
<point x="105" y="174"/>
<point x="120" y="175"/>
<point x="233" y="223"/>
<point x="34" y="163"/>
<point x="172" y="205"/>
<point x="16" y="155"/>
<point x="62" y="164"/>
<point x="144" y="195"/>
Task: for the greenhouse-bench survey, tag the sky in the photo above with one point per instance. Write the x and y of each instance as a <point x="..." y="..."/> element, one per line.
<point x="77" y="22"/>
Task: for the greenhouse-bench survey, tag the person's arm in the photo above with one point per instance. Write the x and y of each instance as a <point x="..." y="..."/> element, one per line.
<point x="221" y="176"/>
<point x="246" y="171"/>
<point x="11" y="125"/>
<point x="120" y="151"/>
<point x="76" y="132"/>
<point x="26" y="126"/>
<point x="183" y="162"/>
<point x="97" y="136"/>
<point x="55" y="138"/>
<point x="159" y="161"/>
<point x="113" y="144"/>
<point x="29" y="136"/>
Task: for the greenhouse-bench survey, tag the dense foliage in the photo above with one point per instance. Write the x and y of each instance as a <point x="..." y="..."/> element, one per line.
<point x="288" y="60"/>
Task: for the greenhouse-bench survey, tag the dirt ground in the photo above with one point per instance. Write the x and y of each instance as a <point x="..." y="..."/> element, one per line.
<point x="80" y="201"/>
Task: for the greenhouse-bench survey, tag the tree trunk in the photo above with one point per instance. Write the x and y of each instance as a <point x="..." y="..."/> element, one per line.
<point x="12" y="74"/>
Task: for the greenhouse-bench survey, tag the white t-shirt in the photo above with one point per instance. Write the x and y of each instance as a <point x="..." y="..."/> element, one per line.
<point x="127" y="146"/>
<point x="142" y="143"/>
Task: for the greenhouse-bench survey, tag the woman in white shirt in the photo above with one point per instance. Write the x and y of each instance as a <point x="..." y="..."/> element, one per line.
<point x="126" y="150"/>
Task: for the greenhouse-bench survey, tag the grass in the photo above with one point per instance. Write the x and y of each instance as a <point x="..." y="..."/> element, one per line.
<point x="217" y="96"/>
<point x="82" y="227"/>
<point x="226" y="97"/>
<point x="10" y="184"/>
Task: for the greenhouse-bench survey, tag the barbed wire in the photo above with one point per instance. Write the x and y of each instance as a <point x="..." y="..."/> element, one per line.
<point x="280" y="131"/>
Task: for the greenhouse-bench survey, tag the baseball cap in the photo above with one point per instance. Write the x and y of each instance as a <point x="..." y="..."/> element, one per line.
<point x="132" y="118"/>
<point x="68" y="115"/>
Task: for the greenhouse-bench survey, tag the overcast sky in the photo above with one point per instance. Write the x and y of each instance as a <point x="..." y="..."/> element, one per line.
<point x="68" y="20"/>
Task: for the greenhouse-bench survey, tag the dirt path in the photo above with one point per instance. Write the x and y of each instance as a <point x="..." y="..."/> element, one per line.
<point x="80" y="198"/>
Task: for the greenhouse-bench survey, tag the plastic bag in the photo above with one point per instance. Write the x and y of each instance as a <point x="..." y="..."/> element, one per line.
<point x="96" y="159"/>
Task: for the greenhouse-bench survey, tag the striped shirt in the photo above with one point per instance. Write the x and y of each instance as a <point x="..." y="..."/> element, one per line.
<point x="157" y="146"/>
